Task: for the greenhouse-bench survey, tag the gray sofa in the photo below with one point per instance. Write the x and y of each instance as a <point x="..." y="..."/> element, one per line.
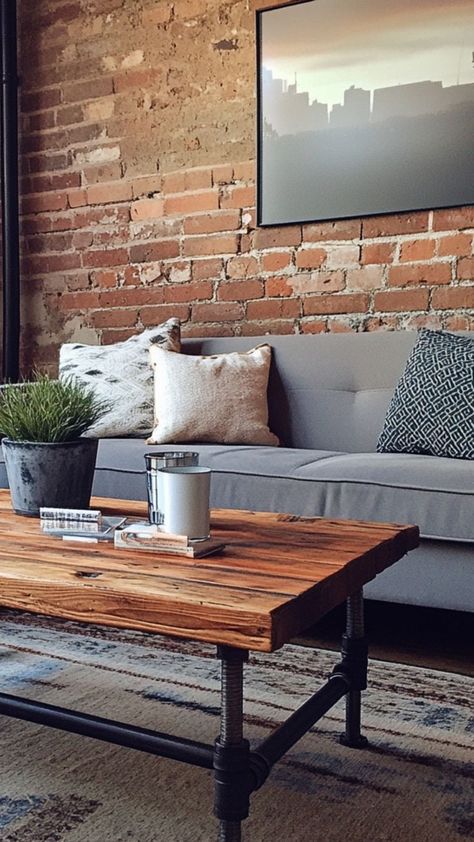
<point x="328" y="395"/>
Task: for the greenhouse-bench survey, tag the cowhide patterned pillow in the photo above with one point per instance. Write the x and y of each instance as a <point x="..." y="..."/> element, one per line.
<point x="121" y="375"/>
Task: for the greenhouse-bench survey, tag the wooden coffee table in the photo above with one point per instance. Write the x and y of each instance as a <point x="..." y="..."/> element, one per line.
<point x="276" y="577"/>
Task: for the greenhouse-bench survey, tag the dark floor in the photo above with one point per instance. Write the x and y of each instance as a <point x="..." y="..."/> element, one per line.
<point x="428" y="637"/>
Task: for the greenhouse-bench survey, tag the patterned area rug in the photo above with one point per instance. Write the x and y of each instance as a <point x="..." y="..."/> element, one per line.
<point x="413" y="783"/>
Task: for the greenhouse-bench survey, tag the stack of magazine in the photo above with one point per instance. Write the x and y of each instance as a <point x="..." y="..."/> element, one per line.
<point x="90" y="526"/>
<point x="79" y="524"/>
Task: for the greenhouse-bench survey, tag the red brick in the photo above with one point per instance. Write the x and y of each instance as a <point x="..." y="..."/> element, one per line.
<point x="337" y="325"/>
<point x="131" y="275"/>
<point x="96" y="258"/>
<point x="49" y="242"/>
<point x="417" y="250"/>
<point x="455" y="245"/>
<point x="46" y="163"/>
<point x="191" y="330"/>
<point x="69" y="115"/>
<point x="278" y="286"/>
<point x="377" y="253"/>
<point x="82" y="239"/>
<point x="429" y="273"/>
<point x="275" y="261"/>
<point x="103" y="194"/>
<point x="115" y="318"/>
<point x="111" y="235"/>
<point x="342" y="255"/>
<point x="273" y="327"/>
<point x="104" y="278"/>
<point x="198" y="179"/>
<point x="432" y="321"/>
<point x="146" y="185"/>
<point x="465" y="269"/>
<point x="77" y="198"/>
<point x="314" y="327"/>
<point x="306" y="282"/>
<point x="242" y="267"/>
<point x="104" y="172"/>
<point x="129" y="297"/>
<point x="453" y="218"/>
<point x="459" y="322"/>
<point x="58" y="181"/>
<point x="403" y="300"/>
<point x="453" y="298"/>
<point x="151" y="316"/>
<point x="147" y="209"/>
<point x="374" y="323"/>
<point x="91" y="89"/>
<point x="367" y="277"/>
<point x="345" y="229"/>
<point x="161" y="228"/>
<point x="310" y="258"/>
<point x="221" y="311"/>
<point x="43" y="264"/>
<point x="44" y="202"/>
<point x="35" y="224"/>
<point x="210" y="245"/>
<point x="240" y="290"/>
<point x="110" y="337"/>
<point x="92" y="217"/>
<point x="275" y="308"/>
<point x="210" y="223"/>
<point x="245" y="171"/>
<point x="328" y="304"/>
<point x="387" y="226"/>
<point x="267" y="238"/>
<point x="42" y="120"/>
<point x="39" y="100"/>
<point x="162" y="250"/>
<point x="79" y="300"/>
<point x="144" y="77"/>
<point x="203" y="269"/>
<point x="195" y="291"/>
<point x="238" y="197"/>
<point x="174" y="182"/>
<point x="187" y="203"/>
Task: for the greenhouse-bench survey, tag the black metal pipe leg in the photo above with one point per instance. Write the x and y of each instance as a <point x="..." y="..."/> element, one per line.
<point x="354" y="664"/>
<point x="231" y="752"/>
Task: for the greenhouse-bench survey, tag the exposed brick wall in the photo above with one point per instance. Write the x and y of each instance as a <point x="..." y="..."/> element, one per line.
<point x="139" y="194"/>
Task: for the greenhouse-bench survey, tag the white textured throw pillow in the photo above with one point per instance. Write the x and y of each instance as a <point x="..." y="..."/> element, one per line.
<point x="121" y="375"/>
<point x="220" y="398"/>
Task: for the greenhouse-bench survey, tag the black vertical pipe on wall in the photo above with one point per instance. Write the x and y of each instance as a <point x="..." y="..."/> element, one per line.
<point x="9" y="184"/>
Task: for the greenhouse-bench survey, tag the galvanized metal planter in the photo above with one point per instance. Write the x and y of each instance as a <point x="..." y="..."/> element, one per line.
<point x="49" y="473"/>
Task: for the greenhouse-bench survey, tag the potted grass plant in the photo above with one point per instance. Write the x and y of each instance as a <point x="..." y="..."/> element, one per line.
<point x="48" y="460"/>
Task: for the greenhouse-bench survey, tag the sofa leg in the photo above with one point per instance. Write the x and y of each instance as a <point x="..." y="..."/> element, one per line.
<point x="354" y="664"/>
<point x="231" y="752"/>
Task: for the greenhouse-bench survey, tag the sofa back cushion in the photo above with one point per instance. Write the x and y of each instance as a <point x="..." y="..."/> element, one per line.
<point x="328" y="391"/>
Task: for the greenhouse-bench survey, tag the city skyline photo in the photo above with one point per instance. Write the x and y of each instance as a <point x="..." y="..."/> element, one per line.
<point x="365" y="106"/>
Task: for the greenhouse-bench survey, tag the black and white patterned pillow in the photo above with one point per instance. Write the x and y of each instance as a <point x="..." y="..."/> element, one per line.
<point x="121" y="375"/>
<point x="432" y="409"/>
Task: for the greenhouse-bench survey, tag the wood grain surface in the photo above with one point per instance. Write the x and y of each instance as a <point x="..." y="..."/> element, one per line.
<point x="277" y="575"/>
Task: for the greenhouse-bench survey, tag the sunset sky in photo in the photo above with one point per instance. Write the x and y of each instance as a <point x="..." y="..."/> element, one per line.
<point x="333" y="44"/>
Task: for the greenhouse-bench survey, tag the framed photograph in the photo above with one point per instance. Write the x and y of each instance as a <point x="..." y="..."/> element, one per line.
<point x="364" y="107"/>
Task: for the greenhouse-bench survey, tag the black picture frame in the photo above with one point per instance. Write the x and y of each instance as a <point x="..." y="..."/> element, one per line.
<point x="387" y="163"/>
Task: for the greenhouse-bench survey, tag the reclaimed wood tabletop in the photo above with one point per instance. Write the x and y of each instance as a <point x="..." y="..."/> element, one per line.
<point x="277" y="575"/>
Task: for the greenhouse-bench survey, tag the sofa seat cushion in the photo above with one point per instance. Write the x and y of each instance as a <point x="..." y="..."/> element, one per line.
<point x="435" y="493"/>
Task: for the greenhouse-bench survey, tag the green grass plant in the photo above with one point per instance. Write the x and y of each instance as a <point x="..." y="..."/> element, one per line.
<point x="47" y="410"/>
